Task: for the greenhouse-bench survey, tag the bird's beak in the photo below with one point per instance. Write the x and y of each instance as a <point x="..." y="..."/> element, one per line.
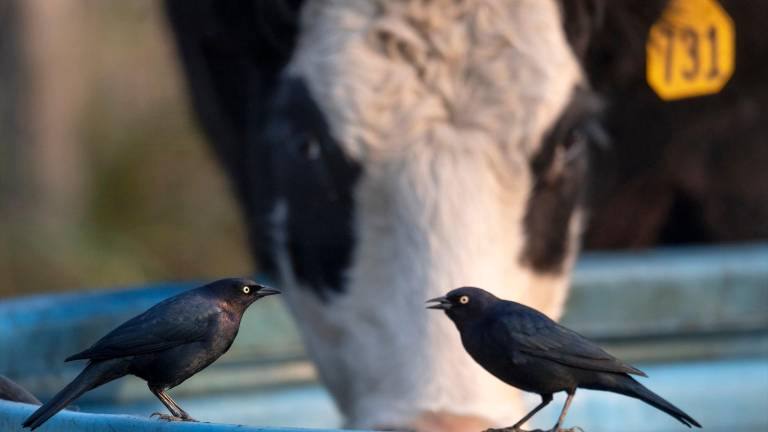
<point x="262" y="291"/>
<point x="442" y="303"/>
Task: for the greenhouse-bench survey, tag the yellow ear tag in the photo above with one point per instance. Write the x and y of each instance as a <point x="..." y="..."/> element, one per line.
<point x="690" y="50"/>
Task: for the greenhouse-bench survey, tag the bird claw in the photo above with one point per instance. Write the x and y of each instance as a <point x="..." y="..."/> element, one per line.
<point x="512" y="429"/>
<point x="165" y="417"/>
<point x="171" y="418"/>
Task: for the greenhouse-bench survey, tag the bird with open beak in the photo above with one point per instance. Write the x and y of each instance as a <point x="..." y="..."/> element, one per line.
<point x="527" y="350"/>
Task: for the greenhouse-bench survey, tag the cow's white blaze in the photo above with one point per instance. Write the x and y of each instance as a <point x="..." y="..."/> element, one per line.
<point x="442" y="104"/>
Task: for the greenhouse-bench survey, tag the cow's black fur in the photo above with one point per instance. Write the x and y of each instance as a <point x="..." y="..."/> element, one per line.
<point x="269" y="133"/>
<point x="232" y="54"/>
<point x="687" y="171"/>
<point x="316" y="180"/>
<point x="560" y="177"/>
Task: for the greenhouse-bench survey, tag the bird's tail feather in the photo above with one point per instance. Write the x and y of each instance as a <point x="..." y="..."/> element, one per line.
<point x="636" y="390"/>
<point x="94" y="375"/>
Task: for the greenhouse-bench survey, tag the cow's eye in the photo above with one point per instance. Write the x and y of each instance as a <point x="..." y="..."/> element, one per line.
<point x="310" y="148"/>
<point x="574" y="143"/>
<point x="575" y="137"/>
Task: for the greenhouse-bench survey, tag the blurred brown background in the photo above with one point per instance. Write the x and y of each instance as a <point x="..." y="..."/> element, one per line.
<point x="104" y="178"/>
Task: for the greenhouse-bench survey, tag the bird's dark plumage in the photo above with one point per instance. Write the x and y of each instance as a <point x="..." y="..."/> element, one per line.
<point x="528" y="350"/>
<point x="13" y="392"/>
<point x="165" y="345"/>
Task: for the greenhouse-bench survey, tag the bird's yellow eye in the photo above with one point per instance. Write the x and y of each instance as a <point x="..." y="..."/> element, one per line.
<point x="246" y="290"/>
<point x="464" y="299"/>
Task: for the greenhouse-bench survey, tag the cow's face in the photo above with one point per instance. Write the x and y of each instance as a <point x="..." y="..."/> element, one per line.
<point x="422" y="146"/>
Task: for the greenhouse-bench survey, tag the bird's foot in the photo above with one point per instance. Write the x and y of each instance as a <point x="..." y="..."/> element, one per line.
<point x="172" y="418"/>
<point x="165" y="417"/>
<point x="186" y="417"/>
<point x="511" y="429"/>
<point x="514" y="429"/>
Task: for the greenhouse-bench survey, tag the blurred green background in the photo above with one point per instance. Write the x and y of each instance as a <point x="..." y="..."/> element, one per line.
<point x="104" y="177"/>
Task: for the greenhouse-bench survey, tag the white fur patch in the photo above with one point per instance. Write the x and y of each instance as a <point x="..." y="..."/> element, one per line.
<point x="443" y="103"/>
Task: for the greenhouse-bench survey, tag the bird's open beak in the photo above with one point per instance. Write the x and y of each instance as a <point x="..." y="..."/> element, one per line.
<point x="442" y="303"/>
<point x="263" y="291"/>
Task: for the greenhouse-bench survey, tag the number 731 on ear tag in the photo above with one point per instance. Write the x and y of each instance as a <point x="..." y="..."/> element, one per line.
<point x="690" y="50"/>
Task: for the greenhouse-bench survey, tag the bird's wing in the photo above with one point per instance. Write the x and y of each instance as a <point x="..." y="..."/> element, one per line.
<point x="538" y="336"/>
<point x="173" y="322"/>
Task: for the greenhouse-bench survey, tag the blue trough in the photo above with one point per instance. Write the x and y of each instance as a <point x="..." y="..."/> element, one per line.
<point x="695" y="319"/>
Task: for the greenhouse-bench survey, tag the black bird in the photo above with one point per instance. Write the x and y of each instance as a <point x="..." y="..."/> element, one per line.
<point x="165" y="345"/>
<point x="524" y="348"/>
<point x="13" y="392"/>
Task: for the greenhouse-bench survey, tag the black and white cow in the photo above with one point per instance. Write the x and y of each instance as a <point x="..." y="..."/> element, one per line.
<point x="385" y="151"/>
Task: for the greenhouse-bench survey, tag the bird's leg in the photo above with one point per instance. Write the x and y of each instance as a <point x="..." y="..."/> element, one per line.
<point x="545" y="400"/>
<point x="568" y="400"/>
<point x="176" y="412"/>
<point x="183" y="414"/>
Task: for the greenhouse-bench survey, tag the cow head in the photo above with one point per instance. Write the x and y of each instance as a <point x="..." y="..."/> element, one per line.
<point x="406" y="148"/>
<point x="422" y="146"/>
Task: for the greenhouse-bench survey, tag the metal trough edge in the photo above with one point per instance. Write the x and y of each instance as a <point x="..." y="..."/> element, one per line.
<point x="12" y="414"/>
